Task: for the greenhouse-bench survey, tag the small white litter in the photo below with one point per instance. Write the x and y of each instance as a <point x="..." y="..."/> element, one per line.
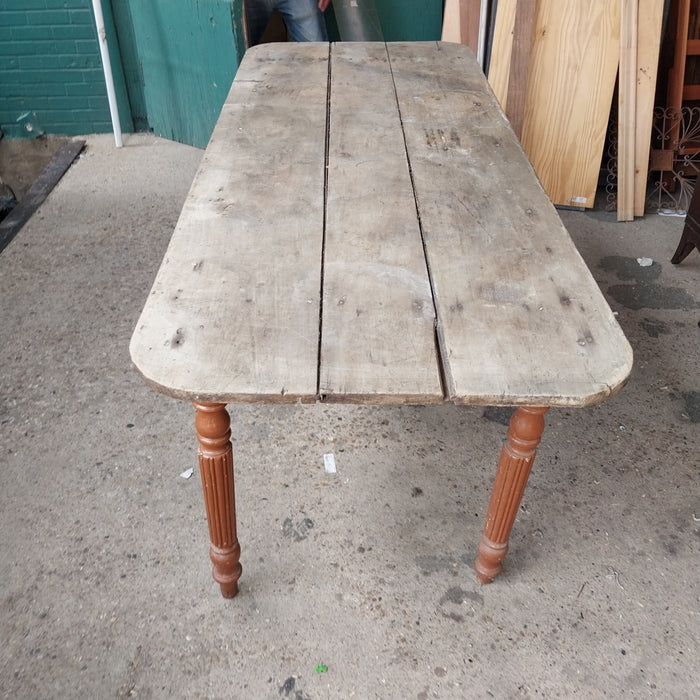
<point x="187" y="473"/>
<point x="645" y="262"/>
<point x="329" y="463"/>
<point x="614" y="576"/>
<point x="671" y="212"/>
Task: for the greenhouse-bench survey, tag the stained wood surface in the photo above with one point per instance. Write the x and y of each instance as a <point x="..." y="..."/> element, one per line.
<point x="430" y="202"/>
<point x="501" y="50"/>
<point x="461" y="22"/>
<point x="627" y="110"/>
<point x="649" y="23"/>
<point x="568" y="99"/>
<point x="676" y="77"/>
<point x="523" y="33"/>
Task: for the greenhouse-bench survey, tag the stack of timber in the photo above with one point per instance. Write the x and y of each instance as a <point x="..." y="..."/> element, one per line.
<point x="554" y="66"/>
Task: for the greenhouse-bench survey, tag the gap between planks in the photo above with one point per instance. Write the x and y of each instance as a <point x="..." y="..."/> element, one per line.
<point x="325" y="211"/>
<point x="446" y="385"/>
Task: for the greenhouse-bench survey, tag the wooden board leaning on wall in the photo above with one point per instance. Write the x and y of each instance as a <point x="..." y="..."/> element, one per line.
<point x="573" y="57"/>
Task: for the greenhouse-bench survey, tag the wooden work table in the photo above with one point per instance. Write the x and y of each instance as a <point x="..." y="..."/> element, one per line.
<point x="365" y="227"/>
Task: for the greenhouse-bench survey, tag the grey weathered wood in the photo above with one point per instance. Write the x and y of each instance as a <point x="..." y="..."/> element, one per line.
<point x="378" y="316"/>
<point x="522" y="320"/>
<point x="234" y="312"/>
<point x="429" y="228"/>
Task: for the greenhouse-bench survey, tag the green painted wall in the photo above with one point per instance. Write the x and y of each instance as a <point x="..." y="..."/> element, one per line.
<point x="401" y="20"/>
<point x="410" y="20"/>
<point x="50" y="67"/>
<point x="173" y="61"/>
<point x="130" y="63"/>
<point x="187" y="55"/>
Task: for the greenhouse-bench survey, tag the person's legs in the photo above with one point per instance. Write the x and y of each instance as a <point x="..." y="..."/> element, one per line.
<point x="303" y="19"/>
<point x="258" y="13"/>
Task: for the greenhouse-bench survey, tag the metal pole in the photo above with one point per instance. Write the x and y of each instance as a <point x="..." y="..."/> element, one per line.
<point x="357" y="20"/>
<point x="107" y="68"/>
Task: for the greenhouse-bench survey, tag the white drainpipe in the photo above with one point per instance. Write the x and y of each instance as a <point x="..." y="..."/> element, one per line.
<point x="481" y="47"/>
<point x="107" y="67"/>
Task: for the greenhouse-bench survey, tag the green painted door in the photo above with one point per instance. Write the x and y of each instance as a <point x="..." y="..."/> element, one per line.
<point x="410" y="20"/>
<point x="400" y="20"/>
<point x="179" y="58"/>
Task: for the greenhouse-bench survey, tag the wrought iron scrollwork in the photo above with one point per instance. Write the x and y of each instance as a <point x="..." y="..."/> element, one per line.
<point x="675" y="157"/>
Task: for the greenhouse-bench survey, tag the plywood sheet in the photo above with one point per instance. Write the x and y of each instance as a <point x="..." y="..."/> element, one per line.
<point x="451" y="26"/>
<point x="572" y="75"/>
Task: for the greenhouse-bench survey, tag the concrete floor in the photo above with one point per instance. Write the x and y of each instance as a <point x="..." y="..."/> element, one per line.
<point x="105" y="585"/>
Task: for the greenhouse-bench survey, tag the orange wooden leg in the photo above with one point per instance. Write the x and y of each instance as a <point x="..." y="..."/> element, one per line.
<point x="514" y="467"/>
<point x="216" y="466"/>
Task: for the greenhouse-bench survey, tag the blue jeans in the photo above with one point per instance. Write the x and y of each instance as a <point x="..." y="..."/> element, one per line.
<point x="303" y="19"/>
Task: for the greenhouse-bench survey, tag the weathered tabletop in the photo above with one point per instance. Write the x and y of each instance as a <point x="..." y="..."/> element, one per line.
<point x="365" y="227"/>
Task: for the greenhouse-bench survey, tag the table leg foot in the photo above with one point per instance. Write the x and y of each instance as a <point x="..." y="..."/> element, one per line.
<point x="517" y="456"/>
<point x="216" y="466"/>
<point x="488" y="562"/>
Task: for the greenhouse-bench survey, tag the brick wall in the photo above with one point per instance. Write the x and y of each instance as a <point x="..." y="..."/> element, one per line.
<point x="50" y="66"/>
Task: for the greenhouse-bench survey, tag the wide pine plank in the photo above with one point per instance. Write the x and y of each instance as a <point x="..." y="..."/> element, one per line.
<point x="460" y="22"/>
<point x="521" y="319"/>
<point x="234" y="311"/>
<point x="573" y="67"/>
<point x="378" y="340"/>
<point x="501" y="50"/>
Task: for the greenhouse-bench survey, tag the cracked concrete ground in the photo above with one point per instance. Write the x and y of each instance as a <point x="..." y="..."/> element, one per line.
<point x="358" y="584"/>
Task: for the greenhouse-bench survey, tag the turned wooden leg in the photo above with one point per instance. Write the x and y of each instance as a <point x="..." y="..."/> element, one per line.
<point x="216" y="466"/>
<point x="514" y="467"/>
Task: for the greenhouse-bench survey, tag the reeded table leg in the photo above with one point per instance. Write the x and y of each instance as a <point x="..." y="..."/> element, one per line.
<point x="514" y="467"/>
<point x="216" y="466"/>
